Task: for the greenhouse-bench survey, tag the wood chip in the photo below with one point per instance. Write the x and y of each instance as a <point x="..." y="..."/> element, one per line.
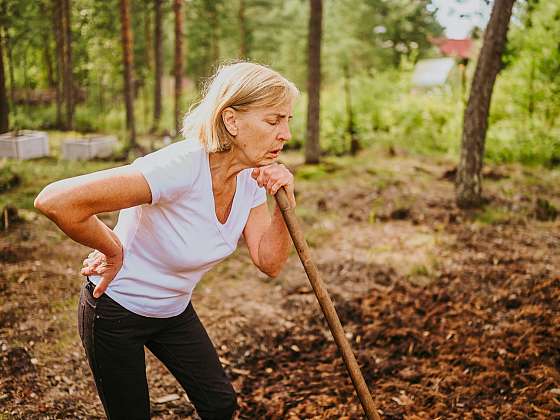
<point x="167" y="398"/>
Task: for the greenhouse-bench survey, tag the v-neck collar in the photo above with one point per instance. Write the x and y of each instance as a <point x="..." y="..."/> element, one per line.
<point x="233" y="210"/>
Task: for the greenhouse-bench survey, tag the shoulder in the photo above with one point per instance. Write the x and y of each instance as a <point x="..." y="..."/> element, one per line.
<point x="175" y="155"/>
<point x="171" y="170"/>
<point x="179" y="149"/>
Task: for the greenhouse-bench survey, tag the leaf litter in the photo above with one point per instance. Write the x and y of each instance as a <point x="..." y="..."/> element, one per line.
<point x="480" y="340"/>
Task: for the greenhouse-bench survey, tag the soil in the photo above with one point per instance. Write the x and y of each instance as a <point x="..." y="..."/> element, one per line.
<point x="450" y="314"/>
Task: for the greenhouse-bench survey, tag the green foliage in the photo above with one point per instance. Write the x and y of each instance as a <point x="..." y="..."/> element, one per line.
<point x="388" y="112"/>
<point x="491" y="215"/>
<point x="376" y="33"/>
<point x="8" y="178"/>
<point x="276" y="34"/>
<point x="378" y="40"/>
<point x="523" y="122"/>
<point x="42" y="118"/>
<point x="524" y="118"/>
<point x="310" y="172"/>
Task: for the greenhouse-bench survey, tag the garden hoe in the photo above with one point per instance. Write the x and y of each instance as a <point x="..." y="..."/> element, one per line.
<point x="326" y="305"/>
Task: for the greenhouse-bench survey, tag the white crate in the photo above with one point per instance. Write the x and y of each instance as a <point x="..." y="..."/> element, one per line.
<point x="26" y="144"/>
<point x="89" y="147"/>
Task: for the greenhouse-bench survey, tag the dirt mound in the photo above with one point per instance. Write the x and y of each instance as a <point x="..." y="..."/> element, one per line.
<point x="482" y="340"/>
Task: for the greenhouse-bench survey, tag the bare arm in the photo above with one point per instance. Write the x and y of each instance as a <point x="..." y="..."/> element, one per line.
<point x="267" y="236"/>
<point x="268" y="239"/>
<point x="72" y="204"/>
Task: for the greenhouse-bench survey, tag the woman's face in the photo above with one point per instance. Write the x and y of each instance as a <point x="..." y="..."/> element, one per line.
<point x="261" y="133"/>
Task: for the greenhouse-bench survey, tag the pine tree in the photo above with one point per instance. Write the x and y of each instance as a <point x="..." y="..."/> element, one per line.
<point x="469" y="172"/>
<point x="126" y="35"/>
<point x="312" y="147"/>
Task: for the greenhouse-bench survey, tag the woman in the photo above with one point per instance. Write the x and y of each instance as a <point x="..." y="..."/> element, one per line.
<point x="183" y="209"/>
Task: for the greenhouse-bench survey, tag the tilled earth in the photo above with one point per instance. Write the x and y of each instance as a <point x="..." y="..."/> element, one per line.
<point x="450" y="315"/>
<point x="481" y="341"/>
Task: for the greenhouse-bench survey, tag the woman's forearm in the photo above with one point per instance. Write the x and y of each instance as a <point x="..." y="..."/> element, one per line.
<point x="60" y="203"/>
<point x="275" y="244"/>
<point x="92" y="233"/>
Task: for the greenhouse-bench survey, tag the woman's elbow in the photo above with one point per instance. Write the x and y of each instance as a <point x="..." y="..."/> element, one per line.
<point x="271" y="271"/>
<point x="43" y="204"/>
<point x="48" y="203"/>
<point x="271" y="265"/>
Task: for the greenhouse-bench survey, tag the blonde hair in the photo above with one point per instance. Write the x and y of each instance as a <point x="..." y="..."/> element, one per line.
<point x="241" y="86"/>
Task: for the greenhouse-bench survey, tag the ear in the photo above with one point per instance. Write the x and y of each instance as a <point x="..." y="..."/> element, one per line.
<point x="230" y="120"/>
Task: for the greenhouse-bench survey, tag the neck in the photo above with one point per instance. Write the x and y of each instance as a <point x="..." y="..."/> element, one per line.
<point x="224" y="166"/>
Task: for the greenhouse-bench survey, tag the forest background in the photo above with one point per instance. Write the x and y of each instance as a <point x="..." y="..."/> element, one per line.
<point x="451" y="312"/>
<point x="368" y="48"/>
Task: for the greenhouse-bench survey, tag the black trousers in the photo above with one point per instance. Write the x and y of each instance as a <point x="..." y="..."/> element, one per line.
<point x="114" y="339"/>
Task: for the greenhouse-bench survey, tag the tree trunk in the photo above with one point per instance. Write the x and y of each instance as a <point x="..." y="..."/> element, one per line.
<point x="351" y="127"/>
<point x="531" y="5"/>
<point x="126" y="35"/>
<point x="243" y="53"/>
<point x="9" y="56"/>
<point x="101" y="88"/>
<point x="47" y="55"/>
<point x="48" y="63"/>
<point x="5" y="37"/>
<point x="4" y="106"/>
<point x="214" y="34"/>
<point x="11" y="71"/>
<point x="158" y="52"/>
<point x="57" y="29"/>
<point x="26" y="87"/>
<point x="469" y="172"/>
<point x="312" y="147"/>
<point x="531" y="93"/>
<point x="68" y="78"/>
<point x="463" y="70"/>
<point x="148" y="52"/>
<point x="149" y="59"/>
<point x="178" y="62"/>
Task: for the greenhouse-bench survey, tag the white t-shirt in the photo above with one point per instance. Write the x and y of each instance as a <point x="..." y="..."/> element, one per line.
<point x="170" y="243"/>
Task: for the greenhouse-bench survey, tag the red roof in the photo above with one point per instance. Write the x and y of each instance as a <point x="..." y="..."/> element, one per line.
<point x="454" y="47"/>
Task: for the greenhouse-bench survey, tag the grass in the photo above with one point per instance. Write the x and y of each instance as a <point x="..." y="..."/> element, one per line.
<point x="310" y="172"/>
<point x="492" y="215"/>
<point x="64" y="310"/>
<point x="321" y="230"/>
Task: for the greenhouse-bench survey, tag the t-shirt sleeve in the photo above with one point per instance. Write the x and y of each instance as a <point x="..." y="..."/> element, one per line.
<point x="167" y="171"/>
<point x="259" y="194"/>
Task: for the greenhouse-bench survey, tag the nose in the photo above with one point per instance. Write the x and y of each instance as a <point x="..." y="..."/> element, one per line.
<point x="285" y="134"/>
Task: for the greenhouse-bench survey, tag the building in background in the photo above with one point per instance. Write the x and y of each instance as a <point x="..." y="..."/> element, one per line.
<point x="455" y="55"/>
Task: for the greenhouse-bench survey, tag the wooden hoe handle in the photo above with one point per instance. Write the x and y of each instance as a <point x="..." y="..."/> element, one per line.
<point x="326" y="304"/>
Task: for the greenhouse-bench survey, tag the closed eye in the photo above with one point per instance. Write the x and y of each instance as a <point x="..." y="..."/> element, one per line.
<point x="272" y="122"/>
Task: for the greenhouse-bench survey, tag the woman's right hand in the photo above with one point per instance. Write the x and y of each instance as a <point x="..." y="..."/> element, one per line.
<point x="102" y="265"/>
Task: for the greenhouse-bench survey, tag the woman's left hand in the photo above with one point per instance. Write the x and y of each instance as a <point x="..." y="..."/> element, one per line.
<point x="273" y="177"/>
